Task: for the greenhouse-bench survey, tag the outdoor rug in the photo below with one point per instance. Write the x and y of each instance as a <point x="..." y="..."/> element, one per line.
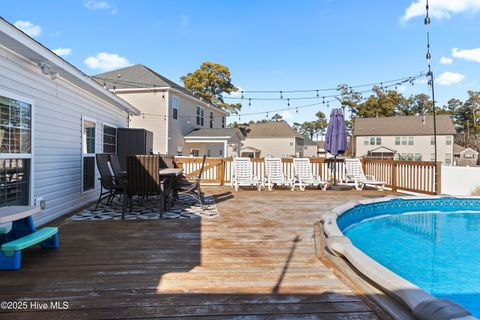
<point x="184" y="208"/>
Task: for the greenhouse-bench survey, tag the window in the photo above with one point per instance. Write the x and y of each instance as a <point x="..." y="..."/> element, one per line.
<point x="88" y="150"/>
<point x="15" y="151"/>
<point x="223" y="122"/>
<point x="209" y="153"/>
<point x="418" y="157"/>
<point x="378" y="140"/>
<point x="468" y="156"/>
<point x="448" y="159"/>
<point x="404" y="141"/>
<point x="109" y="139"/>
<point x="448" y="140"/>
<point x="410" y="141"/>
<point x="200" y="116"/>
<point x="220" y="152"/>
<point x="194" y="152"/>
<point x="397" y="141"/>
<point x="432" y="156"/>
<point x="175" y="107"/>
<point x="211" y="119"/>
<point x="372" y="141"/>
<point x="432" y="140"/>
<point x="365" y="141"/>
<point x="284" y="155"/>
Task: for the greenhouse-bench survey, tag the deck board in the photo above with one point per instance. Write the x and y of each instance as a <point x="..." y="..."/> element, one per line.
<point x="257" y="261"/>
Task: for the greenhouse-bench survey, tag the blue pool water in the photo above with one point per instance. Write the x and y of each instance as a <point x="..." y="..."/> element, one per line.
<point x="437" y="251"/>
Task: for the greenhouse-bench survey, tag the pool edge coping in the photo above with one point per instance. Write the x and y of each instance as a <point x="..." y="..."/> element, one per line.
<point x="419" y="302"/>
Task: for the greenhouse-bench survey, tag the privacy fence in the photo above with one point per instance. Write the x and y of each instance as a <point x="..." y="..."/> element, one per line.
<point x="411" y="176"/>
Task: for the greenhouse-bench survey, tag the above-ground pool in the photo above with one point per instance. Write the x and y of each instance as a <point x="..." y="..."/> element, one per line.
<point x="433" y="243"/>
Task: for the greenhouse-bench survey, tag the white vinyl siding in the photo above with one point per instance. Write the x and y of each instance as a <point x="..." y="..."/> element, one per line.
<point x="57" y="140"/>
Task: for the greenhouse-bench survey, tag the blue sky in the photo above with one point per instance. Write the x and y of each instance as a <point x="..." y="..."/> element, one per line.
<point x="268" y="45"/>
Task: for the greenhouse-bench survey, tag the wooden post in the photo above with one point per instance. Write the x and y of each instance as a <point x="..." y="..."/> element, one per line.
<point x="221" y="171"/>
<point x="438" y="173"/>
<point x="394" y="176"/>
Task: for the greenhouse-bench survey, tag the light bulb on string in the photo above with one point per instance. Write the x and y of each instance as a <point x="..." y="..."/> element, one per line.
<point x="281" y="95"/>
<point x="249" y="102"/>
<point x="296" y="110"/>
<point x="242" y="94"/>
<point x="323" y="100"/>
<point x="288" y="102"/>
<point x="317" y="94"/>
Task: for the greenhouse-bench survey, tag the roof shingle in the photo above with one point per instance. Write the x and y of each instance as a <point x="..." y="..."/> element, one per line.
<point x="405" y="125"/>
<point x="271" y="129"/>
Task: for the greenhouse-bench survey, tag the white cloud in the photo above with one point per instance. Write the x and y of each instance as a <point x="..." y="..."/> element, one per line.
<point x="401" y="88"/>
<point x="449" y="78"/>
<point x="105" y="61"/>
<point x="63" y="52"/>
<point x="469" y="55"/>
<point x="286" y="115"/>
<point x="33" y="30"/>
<point x="440" y="9"/>
<point x="446" y="60"/>
<point x="100" y="5"/>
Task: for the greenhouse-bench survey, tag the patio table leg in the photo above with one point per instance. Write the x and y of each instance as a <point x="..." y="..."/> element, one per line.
<point x="20" y="228"/>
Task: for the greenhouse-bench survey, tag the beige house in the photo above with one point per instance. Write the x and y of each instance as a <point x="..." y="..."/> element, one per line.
<point x="464" y="156"/>
<point x="214" y="142"/>
<point x="272" y="139"/>
<point x="310" y="147"/>
<point x="167" y="109"/>
<point x="404" y="138"/>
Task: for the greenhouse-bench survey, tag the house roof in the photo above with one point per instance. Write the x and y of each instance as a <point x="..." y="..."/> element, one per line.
<point x="139" y="76"/>
<point x="405" y="125"/>
<point x="271" y="129"/>
<point x="321" y="144"/>
<point x="308" y="142"/>
<point x="20" y="43"/>
<point x="214" y="133"/>
<point x="457" y="149"/>
<point x="383" y="149"/>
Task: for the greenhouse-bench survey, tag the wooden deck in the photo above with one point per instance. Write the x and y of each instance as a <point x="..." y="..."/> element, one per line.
<point x="257" y="261"/>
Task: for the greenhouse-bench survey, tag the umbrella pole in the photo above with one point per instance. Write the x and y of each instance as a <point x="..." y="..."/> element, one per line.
<point x="335" y="170"/>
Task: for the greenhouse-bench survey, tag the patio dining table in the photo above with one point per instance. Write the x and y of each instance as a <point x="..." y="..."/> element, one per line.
<point x="170" y="175"/>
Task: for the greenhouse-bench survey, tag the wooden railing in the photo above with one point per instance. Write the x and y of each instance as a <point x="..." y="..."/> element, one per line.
<point x="411" y="176"/>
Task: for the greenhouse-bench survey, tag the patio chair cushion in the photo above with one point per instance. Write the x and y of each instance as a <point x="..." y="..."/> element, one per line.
<point x="29" y="240"/>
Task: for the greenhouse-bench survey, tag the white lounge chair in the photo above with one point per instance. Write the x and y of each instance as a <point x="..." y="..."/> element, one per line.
<point x="274" y="174"/>
<point x="243" y="174"/>
<point x="354" y="175"/>
<point x="304" y="176"/>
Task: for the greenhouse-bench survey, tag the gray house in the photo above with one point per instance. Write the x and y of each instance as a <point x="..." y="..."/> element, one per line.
<point x="167" y="109"/>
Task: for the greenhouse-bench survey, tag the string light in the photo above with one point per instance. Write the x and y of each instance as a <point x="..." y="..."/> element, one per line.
<point x="317" y="94"/>
<point x="249" y="102"/>
<point x="242" y="94"/>
<point x="288" y="103"/>
<point x="281" y="95"/>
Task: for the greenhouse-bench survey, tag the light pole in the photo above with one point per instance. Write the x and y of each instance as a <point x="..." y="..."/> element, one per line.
<point x="431" y="83"/>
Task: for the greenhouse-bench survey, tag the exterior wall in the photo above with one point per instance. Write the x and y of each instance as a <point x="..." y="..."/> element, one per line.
<point x="203" y="148"/>
<point x="310" y="151"/>
<point x="187" y="121"/>
<point x="466" y="158"/>
<point x="153" y="105"/>
<point x="421" y="145"/>
<point x="56" y="164"/>
<point x="276" y="147"/>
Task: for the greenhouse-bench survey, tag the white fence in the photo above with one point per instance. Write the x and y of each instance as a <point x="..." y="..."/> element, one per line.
<point x="460" y="181"/>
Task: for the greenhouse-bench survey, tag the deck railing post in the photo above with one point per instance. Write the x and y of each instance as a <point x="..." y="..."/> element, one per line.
<point x="438" y="173"/>
<point x="394" y="176"/>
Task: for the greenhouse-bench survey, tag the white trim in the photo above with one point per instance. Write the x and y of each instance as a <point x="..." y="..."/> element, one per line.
<point x="167" y="121"/>
<point x="206" y="141"/>
<point x="30" y="156"/>
<point x="83" y="155"/>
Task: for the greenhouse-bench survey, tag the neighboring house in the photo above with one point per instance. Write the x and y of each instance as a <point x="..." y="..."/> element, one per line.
<point x="53" y="120"/>
<point x="272" y="139"/>
<point x="464" y="156"/>
<point x="168" y="110"/>
<point x="321" y="149"/>
<point x="214" y="142"/>
<point x="404" y="138"/>
<point x="310" y="147"/>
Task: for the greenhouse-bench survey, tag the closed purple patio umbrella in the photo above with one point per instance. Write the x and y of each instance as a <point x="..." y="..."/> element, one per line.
<point x="336" y="138"/>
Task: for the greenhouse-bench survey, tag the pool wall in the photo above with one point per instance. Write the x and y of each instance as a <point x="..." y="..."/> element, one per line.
<point x="422" y="304"/>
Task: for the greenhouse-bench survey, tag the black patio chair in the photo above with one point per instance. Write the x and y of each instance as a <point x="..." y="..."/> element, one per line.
<point x="143" y="180"/>
<point x="117" y="169"/>
<point x="189" y="185"/>
<point x="110" y="187"/>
